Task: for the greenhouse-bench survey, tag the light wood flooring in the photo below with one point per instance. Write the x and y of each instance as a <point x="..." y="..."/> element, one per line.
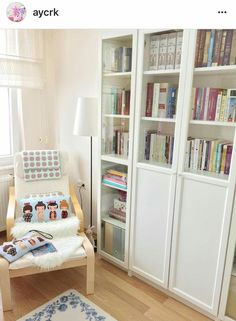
<point x="125" y="298"/>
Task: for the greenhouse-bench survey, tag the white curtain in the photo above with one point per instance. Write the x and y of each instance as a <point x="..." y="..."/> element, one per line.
<point x="21" y="58"/>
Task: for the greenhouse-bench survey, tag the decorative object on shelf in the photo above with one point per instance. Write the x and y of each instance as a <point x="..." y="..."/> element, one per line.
<point x="86" y="123"/>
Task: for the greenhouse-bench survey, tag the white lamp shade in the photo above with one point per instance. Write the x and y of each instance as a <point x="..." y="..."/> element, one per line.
<point x="86" y="120"/>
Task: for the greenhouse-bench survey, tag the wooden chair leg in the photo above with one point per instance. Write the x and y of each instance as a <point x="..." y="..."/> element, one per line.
<point x="90" y="265"/>
<point x="90" y="274"/>
<point x="5" y="285"/>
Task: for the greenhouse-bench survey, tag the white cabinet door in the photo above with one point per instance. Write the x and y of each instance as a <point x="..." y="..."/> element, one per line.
<point x="152" y="225"/>
<point x="198" y="245"/>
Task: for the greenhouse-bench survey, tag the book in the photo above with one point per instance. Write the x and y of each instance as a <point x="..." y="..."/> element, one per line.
<point x="232" y="58"/>
<point x="222" y="48"/>
<point x="149" y="99"/>
<point x="227" y="49"/>
<point x="155" y="102"/>
<point x="201" y="48"/>
<point x="178" y="51"/>
<point x="162" y="52"/>
<point x="47" y="248"/>
<point x="206" y="48"/>
<point x="231" y="109"/>
<point x="171" y="48"/>
<point x="210" y="49"/>
<point x="162" y="108"/>
<point x="171" y="102"/>
<point x="154" y="52"/>
<point x="216" y="50"/>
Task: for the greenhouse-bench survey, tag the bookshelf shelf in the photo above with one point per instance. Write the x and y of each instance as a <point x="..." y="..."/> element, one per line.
<point x="164" y="120"/>
<point x="117" y="159"/>
<point x="219" y="70"/>
<point x="153" y="166"/>
<point x="212" y="123"/>
<point x="116" y="116"/>
<point x="113" y="221"/>
<point x="166" y="72"/>
<point x="117" y="74"/>
<point x="204" y="176"/>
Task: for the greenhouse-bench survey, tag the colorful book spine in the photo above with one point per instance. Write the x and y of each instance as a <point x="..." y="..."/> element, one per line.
<point x="210" y="49"/>
<point x="216" y="50"/>
<point x="222" y="48"/>
<point x="232" y="59"/>
<point x="231" y="109"/>
<point x="228" y="159"/>
<point x="228" y="44"/>
<point x="171" y="102"/>
<point x="206" y="48"/>
<point x="149" y="100"/>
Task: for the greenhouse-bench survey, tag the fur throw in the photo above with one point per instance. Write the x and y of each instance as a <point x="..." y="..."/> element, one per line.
<point x="66" y="247"/>
<point x="59" y="228"/>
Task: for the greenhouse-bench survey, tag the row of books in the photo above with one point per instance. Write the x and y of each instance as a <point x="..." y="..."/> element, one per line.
<point x="118" y="143"/>
<point x="165" y="51"/>
<point x="158" y="147"/>
<point x="161" y="100"/>
<point x="210" y="155"/>
<point x="117" y="100"/>
<point x="215" y="48"/>
<point x="115" y="178"/>
<point x="117" y="59"/>
<point x="214" y="104"/>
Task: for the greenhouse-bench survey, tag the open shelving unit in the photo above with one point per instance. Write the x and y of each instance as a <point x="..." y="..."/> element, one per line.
<point x="118" y="56"/>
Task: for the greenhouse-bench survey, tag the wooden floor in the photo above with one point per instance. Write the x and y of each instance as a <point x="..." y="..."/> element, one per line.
<point x="125" y="298"/>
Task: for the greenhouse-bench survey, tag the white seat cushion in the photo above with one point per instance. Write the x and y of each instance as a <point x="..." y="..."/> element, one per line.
<point x="25" y="261"/>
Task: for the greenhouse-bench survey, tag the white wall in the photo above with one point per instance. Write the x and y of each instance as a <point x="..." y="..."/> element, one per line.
<point x="75" y="59"/>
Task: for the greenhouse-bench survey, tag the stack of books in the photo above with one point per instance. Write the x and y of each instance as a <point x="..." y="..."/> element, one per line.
<point x="214" y="104"/>
<point x="115" y="178"/>
<point x="117" y="59"/>
<point x="158" y="147"/>
<point x="117" y="100"/>
<point x="165" y="51"/>
<point x="161" y="100"/>
<point x="118" y="210"/>
<point x="215" y="48"/>
<point x="210" y="155"/>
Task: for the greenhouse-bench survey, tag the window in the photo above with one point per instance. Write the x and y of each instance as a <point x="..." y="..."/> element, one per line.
<point x="10" y="134"/>
<point x="5" y="127"/>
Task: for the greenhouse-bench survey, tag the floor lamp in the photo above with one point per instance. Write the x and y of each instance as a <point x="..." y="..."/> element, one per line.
<point x="86" y="124"/>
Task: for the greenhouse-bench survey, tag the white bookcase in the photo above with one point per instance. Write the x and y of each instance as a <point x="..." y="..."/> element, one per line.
<point x="118" y="77"/>
<point x="154" y="181"/>
<point x="186" y="211"/>
<point x="179" y="216"/>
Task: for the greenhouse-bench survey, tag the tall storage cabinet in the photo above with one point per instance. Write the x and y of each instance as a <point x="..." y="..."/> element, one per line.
<point x="118" y="75"/>
<point x="204" y="198"/>
<point x="154" y="171"/>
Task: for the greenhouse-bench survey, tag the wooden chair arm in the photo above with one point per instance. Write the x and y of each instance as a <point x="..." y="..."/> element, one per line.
<point x="87" y="245"/>
<point x="77" y="208"/>
<point x="11" y="211"/>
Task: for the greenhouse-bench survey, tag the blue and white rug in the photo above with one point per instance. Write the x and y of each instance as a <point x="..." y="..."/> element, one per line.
<point x="69" y="306"/>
